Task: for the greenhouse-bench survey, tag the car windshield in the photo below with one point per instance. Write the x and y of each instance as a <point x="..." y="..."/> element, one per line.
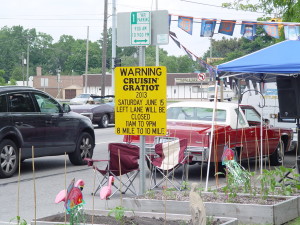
<point x="211" y="89"/>
<point x="195" y="113"/>
<point x="83" y="96"/>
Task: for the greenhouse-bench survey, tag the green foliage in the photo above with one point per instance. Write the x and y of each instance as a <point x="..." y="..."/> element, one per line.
<point x="185" y="185"/>
<point x="12" y="81"/>
<point x="288" y="10"/>
<point x="233" y="48"/>
<point x="2" y="81"/>
<point x="210" y="220"/>
<point x="150" y="194"/>
<point x="69" y="54"/>
<point x="77" y="215"/>
<point x="269" y="184"/>
<point x="19" y="220"/>
<point x="118" y="212"/>
<point x="169" y="193"/>
<point x="294" y="222"/>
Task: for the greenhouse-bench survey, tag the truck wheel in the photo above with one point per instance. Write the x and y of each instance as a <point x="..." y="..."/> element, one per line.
<point x="103" y="123"/>
<point x="277" y="157"/>
<point x="9" y="158"/>
<point x="84" y="149"/>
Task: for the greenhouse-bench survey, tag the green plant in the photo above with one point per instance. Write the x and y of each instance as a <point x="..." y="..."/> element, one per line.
<point x="19" y="220"/>
<point x="77" y="215"/>
<point x="169" y="193"/>
<point x="118" y="212"/>
<point x="287" y="188"/>
<point x="185" y="185"/>
<point x="210" y="220"/>
<point x="150" y="194"/>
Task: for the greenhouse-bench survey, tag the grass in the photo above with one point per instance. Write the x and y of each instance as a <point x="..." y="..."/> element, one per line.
<point x="294" y="222"/>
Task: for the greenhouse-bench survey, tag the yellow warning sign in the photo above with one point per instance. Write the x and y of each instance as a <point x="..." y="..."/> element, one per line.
<point x="140" y="100"/>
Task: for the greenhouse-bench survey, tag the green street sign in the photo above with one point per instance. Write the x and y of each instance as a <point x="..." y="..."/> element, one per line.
<point x="140" y="28"/>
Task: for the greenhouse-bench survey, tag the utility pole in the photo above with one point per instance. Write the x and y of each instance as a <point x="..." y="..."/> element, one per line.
<point x="104" y="49"/>
<point x="22" y="61"/>
<point x="157" y="47"/>
<point x="27" y="63"/>
<point x="58" y="83"/>
<point x="113" y="46"/>
<point x="86" y="60"/>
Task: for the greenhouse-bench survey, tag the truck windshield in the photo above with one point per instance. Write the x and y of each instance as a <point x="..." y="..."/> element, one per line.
<point x="195" y="113"/>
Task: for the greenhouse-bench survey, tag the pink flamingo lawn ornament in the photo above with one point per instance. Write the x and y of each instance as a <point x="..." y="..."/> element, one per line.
<point x="105" y="191"/>
<point x="61" y="196"/>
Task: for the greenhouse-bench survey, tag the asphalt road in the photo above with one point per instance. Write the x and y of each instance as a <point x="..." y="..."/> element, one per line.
<point x="51" y="177"/>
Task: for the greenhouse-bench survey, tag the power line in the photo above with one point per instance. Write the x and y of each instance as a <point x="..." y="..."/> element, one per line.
<point x="12" y="18"/>
<point x="199" y="3"/>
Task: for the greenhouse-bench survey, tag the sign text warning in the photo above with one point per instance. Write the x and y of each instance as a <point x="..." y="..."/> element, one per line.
<point x="140" y="107"/>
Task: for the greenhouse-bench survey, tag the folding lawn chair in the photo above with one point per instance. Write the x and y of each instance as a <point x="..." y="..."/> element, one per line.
<point x="169" y="157"/>
<point x="123" y="160"/>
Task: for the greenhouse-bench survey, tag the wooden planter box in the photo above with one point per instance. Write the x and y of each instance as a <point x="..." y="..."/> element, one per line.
<point x="277" y="214"/>
<point x="169" y="216"/>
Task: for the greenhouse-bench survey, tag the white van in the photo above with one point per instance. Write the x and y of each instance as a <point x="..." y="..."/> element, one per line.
<point x="228" y="94"/>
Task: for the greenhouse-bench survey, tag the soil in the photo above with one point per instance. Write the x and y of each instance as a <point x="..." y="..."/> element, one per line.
<point x="213" y="197"/>
<point x="111" y="220"/>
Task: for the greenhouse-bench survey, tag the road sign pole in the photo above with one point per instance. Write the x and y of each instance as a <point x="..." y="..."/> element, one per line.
<point x="142" y="188"/>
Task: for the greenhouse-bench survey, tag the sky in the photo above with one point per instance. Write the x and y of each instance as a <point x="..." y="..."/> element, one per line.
<point x="72" y="17"/>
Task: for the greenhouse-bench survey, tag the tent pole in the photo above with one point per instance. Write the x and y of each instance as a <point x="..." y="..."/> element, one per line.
<point x="212" y="133"/>
<point x="261" y="141"/>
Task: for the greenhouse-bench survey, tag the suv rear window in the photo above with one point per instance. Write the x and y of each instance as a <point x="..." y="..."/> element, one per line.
<point x="3" y="105"/>
<point x="20" y="102"/>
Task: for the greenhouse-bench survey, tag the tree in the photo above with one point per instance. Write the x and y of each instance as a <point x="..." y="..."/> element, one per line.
<point x="2" y="80"/>
<point x="68" y="54"/>
<point x="233" y="48"/>
<point x="288" y="10"/>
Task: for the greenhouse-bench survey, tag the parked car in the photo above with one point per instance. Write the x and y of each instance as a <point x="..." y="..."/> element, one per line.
<point x="81" y="99"/>
<point x="31" y="118"/>
<point x="228" y="94"/>
<point x="100" y="110"/>
<point x="238" y="127"/>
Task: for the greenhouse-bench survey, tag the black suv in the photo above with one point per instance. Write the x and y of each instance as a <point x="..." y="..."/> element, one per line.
<point x="31" y="119"/>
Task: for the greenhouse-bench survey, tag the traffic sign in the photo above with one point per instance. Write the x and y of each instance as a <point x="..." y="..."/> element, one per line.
<point x="140" y="28"/>
<point x="201" y="76"/>
<point x="140" y="100"/>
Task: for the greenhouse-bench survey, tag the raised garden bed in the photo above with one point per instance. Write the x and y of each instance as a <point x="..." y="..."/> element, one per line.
<point x="141" y="218"/>
<point x="279" y="210"/>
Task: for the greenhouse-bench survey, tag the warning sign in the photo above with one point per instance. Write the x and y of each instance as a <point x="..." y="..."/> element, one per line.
<point x="140" y="100"/>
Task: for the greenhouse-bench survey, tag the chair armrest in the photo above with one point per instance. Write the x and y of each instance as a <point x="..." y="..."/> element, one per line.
<point x="90" y="161"/>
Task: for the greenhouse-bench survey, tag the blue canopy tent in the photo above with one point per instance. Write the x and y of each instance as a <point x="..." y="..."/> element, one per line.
<point x="264" y="65"/>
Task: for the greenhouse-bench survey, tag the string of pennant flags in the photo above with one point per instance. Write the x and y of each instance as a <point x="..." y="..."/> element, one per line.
<point x="211" y="69"/>
<point x="227" y="27"/>
<point x="231" y="81"/>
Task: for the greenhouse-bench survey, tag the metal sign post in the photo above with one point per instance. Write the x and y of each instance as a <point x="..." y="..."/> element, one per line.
<point x="142" y="187"/>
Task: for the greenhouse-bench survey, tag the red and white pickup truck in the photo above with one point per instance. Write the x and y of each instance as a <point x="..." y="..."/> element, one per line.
<point x="238" y="126"/>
